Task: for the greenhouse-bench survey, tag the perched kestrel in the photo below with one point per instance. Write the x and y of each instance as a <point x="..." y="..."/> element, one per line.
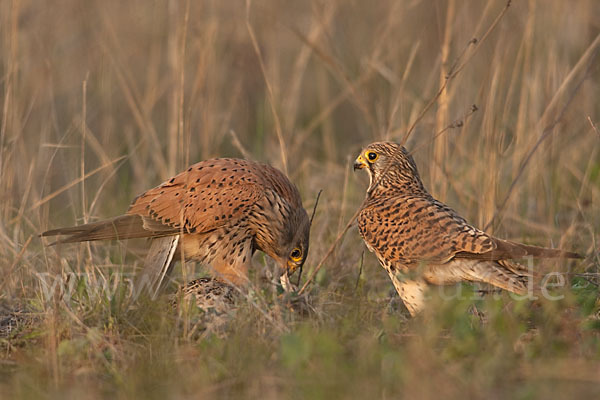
<point x="217" y="212"/>
<point x="421" y="241"/>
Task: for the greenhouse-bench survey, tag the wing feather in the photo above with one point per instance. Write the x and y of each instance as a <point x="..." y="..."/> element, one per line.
<point x="206" y="196"/>
<point x="211" y="193"/>
<point x="118" y="228"/>
<point x="420" y="228"/>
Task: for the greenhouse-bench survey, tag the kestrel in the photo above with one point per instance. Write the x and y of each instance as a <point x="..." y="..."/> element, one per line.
<point x="218" y="212"/>
<point x="420" y="241"/>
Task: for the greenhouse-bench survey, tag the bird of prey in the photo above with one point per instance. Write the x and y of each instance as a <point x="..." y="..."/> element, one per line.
<point x="218" y="212"/>
<point x="420" y="241"/>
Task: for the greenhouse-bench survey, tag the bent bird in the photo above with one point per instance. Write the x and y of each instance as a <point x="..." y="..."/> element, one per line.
<point x="420" y="241"/>
<point x="218" y="212"/>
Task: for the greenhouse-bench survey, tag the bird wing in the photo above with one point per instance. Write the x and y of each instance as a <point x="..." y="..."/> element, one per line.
<point x="424" y="229"/>
<point x="505" y="249"/>
<point x="412" y="229"/>
<point x="206" y="196"/>
<point x="211" y="193"/>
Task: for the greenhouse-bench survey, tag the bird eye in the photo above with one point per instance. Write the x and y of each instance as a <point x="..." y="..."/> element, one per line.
<point x="296" y="254"/>
<point x="372" y="156"/>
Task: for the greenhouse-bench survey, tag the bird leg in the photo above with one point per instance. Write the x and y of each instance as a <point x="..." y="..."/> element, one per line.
<point x="411" y="291"/>
<point x="235" y="275"/>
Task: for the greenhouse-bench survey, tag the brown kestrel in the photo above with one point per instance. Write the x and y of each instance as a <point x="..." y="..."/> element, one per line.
<point x="217" y="212"/>
<point x="421" y="241"/>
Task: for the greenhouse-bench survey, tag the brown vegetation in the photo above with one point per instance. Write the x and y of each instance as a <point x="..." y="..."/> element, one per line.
<point x="103" y="99"/>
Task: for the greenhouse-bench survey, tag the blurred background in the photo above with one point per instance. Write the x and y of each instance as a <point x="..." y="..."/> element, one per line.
<point x="103" y="99"/>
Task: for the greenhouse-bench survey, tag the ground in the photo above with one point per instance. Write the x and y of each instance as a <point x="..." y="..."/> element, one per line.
<point x="103" y="100"/>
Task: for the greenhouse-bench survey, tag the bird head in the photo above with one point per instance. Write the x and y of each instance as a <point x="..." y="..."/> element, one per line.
<point x="388" y="165"/>
<point x="291" y="250"/>
<point x="297" y="250"/>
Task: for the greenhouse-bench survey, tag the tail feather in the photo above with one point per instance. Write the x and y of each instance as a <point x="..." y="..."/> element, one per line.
<point x="504" y="274"/>
<point x="118" y="228"/>
<point x="159" y="260"/>
<point x="157" y="265"/>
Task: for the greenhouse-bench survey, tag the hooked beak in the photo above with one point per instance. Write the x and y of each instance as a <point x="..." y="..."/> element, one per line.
<point x="287" y="285"/>
<point x="360" y="163"/>
<point x="290" y="268"/>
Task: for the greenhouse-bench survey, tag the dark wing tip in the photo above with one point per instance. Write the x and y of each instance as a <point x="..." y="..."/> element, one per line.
<point x="52" y="232"/>
<point x="55" y="232"/>
<point x="571" y="254"/>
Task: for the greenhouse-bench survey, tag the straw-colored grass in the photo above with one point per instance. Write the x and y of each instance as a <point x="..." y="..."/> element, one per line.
<point x="103" y="99"/>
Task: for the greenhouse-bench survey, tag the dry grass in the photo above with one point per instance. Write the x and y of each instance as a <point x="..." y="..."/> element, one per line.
<point x="101" y="100"/>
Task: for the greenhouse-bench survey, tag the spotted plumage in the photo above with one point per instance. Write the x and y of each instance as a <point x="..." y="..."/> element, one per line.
<point x="217" y="212"/>
<point x="210" y="294"/>
<point x="210" y="306"/>
<point x="420" y="241"/>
